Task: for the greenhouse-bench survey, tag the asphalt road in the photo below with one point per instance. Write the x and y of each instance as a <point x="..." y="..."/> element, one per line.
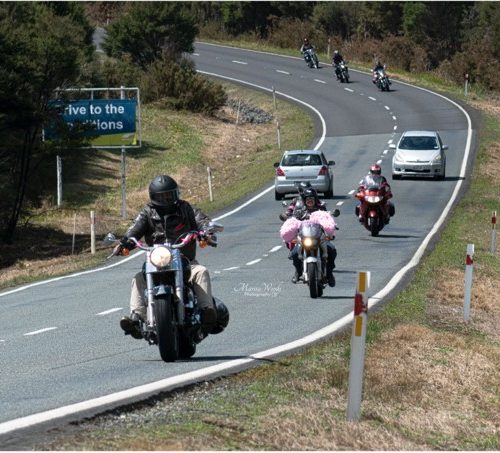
<point x="60" y="342"/>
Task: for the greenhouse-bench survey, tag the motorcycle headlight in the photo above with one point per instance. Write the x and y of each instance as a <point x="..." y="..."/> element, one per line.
<point x="161" y="256"/>
<point x="309" y="242"/>
<point x="373" y="199"/>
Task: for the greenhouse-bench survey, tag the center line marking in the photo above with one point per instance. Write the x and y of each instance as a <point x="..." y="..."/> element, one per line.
<point x="319" y="81"/>
<point x="348" y="89"/>
<point x="275" y="249"/>
<point x="107" y="312"/>
<point x="282" y="72"/>
<point x="253" y="262"/>
<point x="373" y="99"/>
<point x="36" y="332"/>
<point x="231" y="268"/>
<point x="239" y="62"/>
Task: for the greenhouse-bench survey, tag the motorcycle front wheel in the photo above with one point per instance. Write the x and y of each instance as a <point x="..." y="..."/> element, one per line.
<point x="315" y="289"/>
<point x="166" y="328"/>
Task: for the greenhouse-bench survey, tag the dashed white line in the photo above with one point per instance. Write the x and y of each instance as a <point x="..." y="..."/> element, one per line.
<point x="352" y="191"/>
<point x="36" y="332"/>
<point x="282" y="72"/>
<point x="107" y="312"/>
<point x="395" y="127"/>
<point x="195" y="54"/>
<point x="319" y="81"/>
<point x="348" y="89"/>
<point x="253" y="262"/>
<point x="386" y="107"/>
<point x="379" y="161"/>
<point x="275" y="249"/>
<point x="239" y="62"/>
<point x="340" y="203"/>
<point x="389" y="142"/>
<point x="385" y="151"/>
<point x="371" y="98"/>
<point x="394" y="118"/>
<point x="231" y="268"/>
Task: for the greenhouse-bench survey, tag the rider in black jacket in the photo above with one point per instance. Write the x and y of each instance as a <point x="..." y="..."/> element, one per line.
<point x="167" y="217"/>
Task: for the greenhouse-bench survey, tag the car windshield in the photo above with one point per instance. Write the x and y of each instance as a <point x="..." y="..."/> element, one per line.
<point x="419" y="143"/>
<point x="301" y="160"/>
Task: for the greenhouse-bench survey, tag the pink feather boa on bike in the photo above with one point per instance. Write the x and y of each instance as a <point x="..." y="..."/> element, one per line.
<point x="290" y="228"/>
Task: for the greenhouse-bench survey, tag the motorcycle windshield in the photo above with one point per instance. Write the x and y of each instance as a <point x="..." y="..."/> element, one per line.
<point x="311" y="230"/>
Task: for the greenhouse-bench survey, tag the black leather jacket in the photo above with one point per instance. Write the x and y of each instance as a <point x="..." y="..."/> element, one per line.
<point x="156" y="227"/>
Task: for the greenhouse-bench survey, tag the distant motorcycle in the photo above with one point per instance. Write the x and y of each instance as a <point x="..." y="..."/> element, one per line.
<point x="373" y="200"/>
<point x="382" y="80"/>
<point x="311" y="58"/>
<point x="173" y="318"/>
<point x="342" y="72"/>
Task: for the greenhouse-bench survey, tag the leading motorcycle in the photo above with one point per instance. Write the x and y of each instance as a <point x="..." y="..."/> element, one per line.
<point x="311" y="58"/>
<point x="173" y="319"/>
<point x="311" y="235"/>
<point x="372" y="202"/>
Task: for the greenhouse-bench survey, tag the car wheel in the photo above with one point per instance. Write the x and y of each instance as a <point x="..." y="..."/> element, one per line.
<point x="278" y="196"/>
<point x="441" y="176"/>
<point x="329" y="194"/>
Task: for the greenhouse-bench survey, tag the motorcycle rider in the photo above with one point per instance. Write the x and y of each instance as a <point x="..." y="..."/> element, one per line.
<point x="336" y="60"/>
<point x="306" y="45"/>
<point x="378" y="66"/>
<point x="166" y="216"/>
<point x="311" y="203"/>
<point x="375" y="178"/>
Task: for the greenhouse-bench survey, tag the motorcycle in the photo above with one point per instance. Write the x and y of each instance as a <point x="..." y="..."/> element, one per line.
<point x="342" y="72"/>
<point x="311" y="235"/>
<point x="373" y="200"/>
<point x="382" y="80"/>
<point x="311" y="58"/>
<point x="173" y="318"/>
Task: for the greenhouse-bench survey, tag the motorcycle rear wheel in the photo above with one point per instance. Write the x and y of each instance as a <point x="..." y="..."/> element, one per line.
<point x="166" y="329"/>
<point x="313" y="280"/>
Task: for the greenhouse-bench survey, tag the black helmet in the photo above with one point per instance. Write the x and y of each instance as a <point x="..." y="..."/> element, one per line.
<point x="164" y="192"/>
<point x="309" y="192"/>
<point x="222" y="316"/>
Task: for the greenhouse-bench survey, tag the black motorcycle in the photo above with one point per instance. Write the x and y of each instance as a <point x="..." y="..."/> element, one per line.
<point x="382" y="80"/>
<point x="342" y="72"/>
<point x="311" y="58"/>
<point x="173" y="320"/>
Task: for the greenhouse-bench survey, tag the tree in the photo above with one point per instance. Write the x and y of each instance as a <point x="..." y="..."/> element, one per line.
<point x="42" y="48"/>
<point x="149" y="30"/>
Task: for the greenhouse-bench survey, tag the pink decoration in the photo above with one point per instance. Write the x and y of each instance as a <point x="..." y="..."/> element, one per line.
<point x="289" y="229"/>
<point x="326" y="221"/>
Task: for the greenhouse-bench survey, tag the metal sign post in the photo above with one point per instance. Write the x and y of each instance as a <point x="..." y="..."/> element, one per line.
<point x="123" y="172"/>
<point x="59" y="181"/>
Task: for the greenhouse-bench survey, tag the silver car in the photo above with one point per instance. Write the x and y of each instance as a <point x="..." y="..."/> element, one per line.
<point x="298" y="166"/>
<point x="419" y="153"/>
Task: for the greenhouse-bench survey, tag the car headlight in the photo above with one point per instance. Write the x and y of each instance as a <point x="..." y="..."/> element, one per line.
<point x="437" y="159"/>
<point x="161" y="256"/>
<point x="309" y="242"/>
<point x="373" y="199"/>
<point x="398" y="158"/>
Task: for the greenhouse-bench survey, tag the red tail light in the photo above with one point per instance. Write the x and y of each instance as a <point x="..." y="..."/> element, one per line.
<point x="280" y="172"/>
<point x="323" y="171"/>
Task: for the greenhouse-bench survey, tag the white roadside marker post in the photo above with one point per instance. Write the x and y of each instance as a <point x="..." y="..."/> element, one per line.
<point x="209" y="171"/>
<point x="92" y="232"/>
<point x="358" y="341"/>
<point x="278" y="130"/>
<point x="493" y="246"/>
<point x="468" y="280"/>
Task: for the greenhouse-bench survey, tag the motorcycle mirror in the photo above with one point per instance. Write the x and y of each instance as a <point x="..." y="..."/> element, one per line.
<point x="284" y="204"/>
<point x="336" y="213"/>
<point x="109" y="239"/>
<point x="331" y="162"/>
<point x="216" y="227"/>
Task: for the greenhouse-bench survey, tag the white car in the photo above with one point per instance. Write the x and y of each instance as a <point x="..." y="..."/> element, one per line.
<point x="419" y="153"/>
<point x="298" y="166"/>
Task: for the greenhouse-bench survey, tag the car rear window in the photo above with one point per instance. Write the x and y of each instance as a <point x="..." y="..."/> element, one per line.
<point x="419" y="143"/>
<point x="301" y="160"/>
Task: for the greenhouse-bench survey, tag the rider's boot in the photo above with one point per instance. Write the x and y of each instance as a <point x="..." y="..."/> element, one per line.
<point x="131" y="325"/>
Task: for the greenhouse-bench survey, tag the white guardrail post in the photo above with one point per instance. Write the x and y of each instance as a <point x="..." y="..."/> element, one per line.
<point x="209" y="171"/>
<point x="92" y="232"/>
<point x="358" y="341"/>
<point x="468" y="280"/>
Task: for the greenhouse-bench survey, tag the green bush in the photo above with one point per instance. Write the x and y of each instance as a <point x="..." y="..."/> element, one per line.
<point x="177" y="85"/>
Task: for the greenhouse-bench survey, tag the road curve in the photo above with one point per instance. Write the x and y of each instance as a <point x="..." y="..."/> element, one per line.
<point x="62" y="352"/>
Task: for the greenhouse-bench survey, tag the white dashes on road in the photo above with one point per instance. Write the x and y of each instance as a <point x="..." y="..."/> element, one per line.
<point x="372" y="99"/>
<point x="36" y="332"/>
<point x="275" y="249"/>
<point x="239" y="62"/>
<point x="319" y="81"/>
<point x="282" y="72"/>
<point x="348" y="89"/>
<point x="107" y="312"/>
<point x="253" y="262"/>
<point x="386" y="107"/>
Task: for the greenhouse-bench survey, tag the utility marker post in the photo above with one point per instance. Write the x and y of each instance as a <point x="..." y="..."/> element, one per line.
<point x="92" y="232"/>
<point x="278" y="130"/>
<point x="274" y="99"/>
<point x="123" y="171"/>
<point x="493" y="246"/>
<point x="59" y="180"/>
<point x="466" y="77"/>
<point x="358" y="340"/>
<point x="209" y="171"/>
<point x="468" y="280"/>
